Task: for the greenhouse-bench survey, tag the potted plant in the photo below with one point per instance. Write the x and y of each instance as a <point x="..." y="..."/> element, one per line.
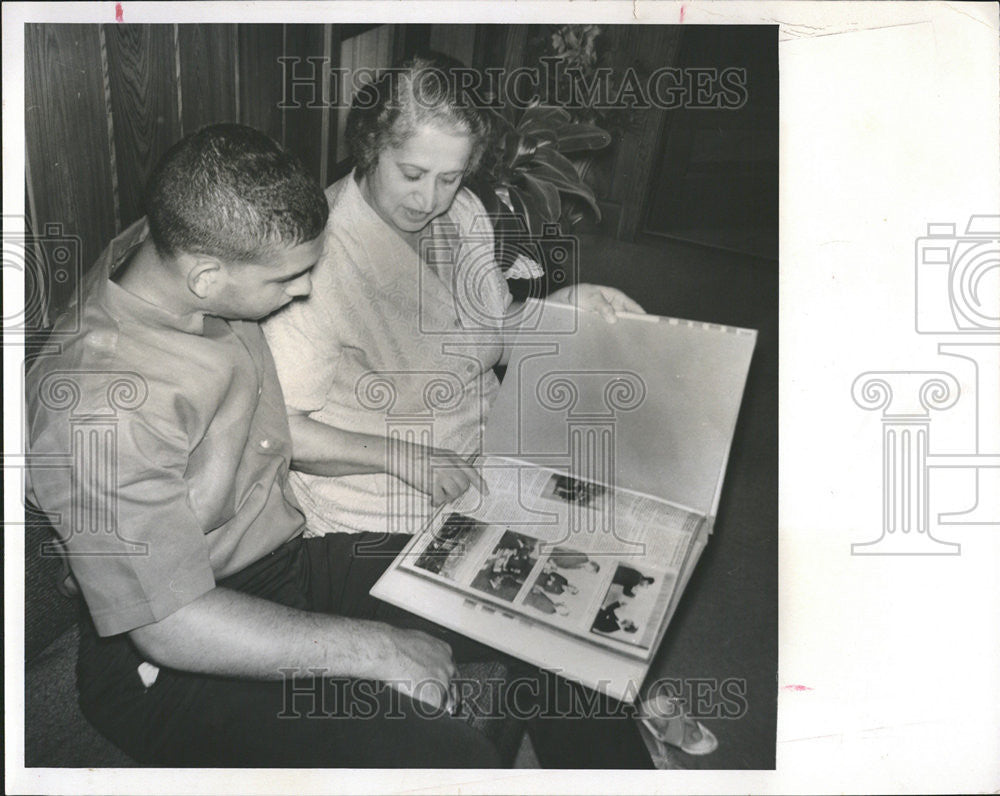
<point x="532" y="191"/>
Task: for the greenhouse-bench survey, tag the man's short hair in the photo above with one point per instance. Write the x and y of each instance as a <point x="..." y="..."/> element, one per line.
<point x="232" y="192"/>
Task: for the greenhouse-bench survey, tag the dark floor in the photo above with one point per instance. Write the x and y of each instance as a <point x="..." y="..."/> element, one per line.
<point x="725" y="631"/>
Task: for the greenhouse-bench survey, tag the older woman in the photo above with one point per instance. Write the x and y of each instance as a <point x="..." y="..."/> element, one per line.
<point x="387" y="368"/>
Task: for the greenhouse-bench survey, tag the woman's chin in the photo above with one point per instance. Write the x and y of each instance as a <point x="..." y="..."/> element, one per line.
<point x="412" y="223"/>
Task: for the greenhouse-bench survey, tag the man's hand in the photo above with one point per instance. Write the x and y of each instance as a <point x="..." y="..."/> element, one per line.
<point x="440" y="473"/>
<point x="419" y="666"/>
<point x="597" y="298"/>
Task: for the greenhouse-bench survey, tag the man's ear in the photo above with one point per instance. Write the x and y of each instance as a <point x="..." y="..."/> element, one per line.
<point x="204" y="276"/>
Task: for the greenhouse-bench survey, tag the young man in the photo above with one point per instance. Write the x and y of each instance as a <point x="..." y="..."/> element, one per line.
<point x="204" y="603"/>
<point x="216" y="635"/>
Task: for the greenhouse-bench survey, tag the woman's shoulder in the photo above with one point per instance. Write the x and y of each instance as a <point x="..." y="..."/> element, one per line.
<point x="336" y="192"/>
<point x="469" y="212"/>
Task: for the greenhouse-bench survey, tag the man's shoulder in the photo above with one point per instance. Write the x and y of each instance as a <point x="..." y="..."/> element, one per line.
<point x="83" y="372"/>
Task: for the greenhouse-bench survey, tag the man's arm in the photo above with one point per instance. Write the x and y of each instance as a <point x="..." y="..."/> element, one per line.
<point x="322" y="449"/>
<point x="229" y="633"/>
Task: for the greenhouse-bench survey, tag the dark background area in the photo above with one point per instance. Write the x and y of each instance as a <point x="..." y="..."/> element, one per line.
<point x="104" y="102"/>
<point x="689" y="228"/>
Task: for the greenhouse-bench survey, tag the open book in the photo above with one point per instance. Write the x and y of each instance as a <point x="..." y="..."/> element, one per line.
<point x="604" y="455"/>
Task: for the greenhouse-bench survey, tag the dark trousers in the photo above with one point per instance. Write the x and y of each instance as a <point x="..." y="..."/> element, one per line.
<point x="310" y="719"/>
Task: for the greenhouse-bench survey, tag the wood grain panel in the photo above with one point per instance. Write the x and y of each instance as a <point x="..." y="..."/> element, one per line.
<point x="142" y="72"/>
<point x="455" y="40"/>
<point x="208" y="75"/>
<point x="408" y="39"/>
<point x="304" y="124"/>
<point x="261" y="81"/>
<point x="66" y="128"/>
<point x="648" y="47"/>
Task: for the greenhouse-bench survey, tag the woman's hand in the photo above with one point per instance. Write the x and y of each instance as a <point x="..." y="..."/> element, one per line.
<point x="440" y="473"/>
<point x="607" y="301"/>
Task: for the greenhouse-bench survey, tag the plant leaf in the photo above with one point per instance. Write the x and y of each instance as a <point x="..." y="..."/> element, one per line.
<point x="556" y="169"/>
<point x="520" y="149"/>
<point x="528" y="208"/>
<point x="552" y="162"/>
<point x="546" y="197"/>
<point x="542" y="116"/>
<point x="579" y="137"/>
<point x="546" y="136"/>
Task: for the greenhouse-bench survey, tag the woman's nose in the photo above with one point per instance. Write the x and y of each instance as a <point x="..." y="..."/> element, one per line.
<point x="426" y="195"/>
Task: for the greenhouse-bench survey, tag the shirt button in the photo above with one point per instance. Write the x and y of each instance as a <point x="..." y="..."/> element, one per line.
<point x="265" y="443"/>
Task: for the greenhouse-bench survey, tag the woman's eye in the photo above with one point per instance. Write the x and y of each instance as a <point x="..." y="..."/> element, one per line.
<point x="412" y="177"/>
<point x="449" y="181"/>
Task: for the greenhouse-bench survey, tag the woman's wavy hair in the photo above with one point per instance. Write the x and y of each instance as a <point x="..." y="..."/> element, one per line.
<point x="424" y="89"/>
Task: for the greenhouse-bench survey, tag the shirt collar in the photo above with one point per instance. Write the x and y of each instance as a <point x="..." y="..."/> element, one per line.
<point x="129" y="307"/>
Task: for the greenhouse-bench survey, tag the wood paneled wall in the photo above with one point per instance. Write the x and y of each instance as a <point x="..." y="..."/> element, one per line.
<point x="104" y="102"/>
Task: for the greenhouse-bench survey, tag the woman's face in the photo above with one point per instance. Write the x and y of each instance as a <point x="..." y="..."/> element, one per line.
<point x="415" y="183"/>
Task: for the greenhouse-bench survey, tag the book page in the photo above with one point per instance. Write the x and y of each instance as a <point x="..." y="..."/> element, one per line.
<point x="599" y="563"/>
<point x="649" y="404"/>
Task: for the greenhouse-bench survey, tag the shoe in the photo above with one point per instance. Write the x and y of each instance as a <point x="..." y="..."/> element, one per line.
<point x="666" y="721"/>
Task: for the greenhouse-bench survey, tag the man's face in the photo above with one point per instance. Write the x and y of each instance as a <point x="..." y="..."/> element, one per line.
<point x="251" y="291"/>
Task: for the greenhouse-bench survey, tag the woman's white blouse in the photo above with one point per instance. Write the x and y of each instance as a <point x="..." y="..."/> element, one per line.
<point x="393" y="343"/>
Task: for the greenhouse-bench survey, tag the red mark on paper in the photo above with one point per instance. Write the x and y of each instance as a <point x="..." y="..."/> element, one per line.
<point x="682" y="13"/>
<point x="119" y="13"/>
<point x="798" y="688"/>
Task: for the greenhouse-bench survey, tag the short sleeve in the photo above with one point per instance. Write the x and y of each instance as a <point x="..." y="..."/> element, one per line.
<point x="121" y="509"/>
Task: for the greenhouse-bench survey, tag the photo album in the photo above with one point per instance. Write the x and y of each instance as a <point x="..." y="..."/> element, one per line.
<point x="604" y="456"/>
